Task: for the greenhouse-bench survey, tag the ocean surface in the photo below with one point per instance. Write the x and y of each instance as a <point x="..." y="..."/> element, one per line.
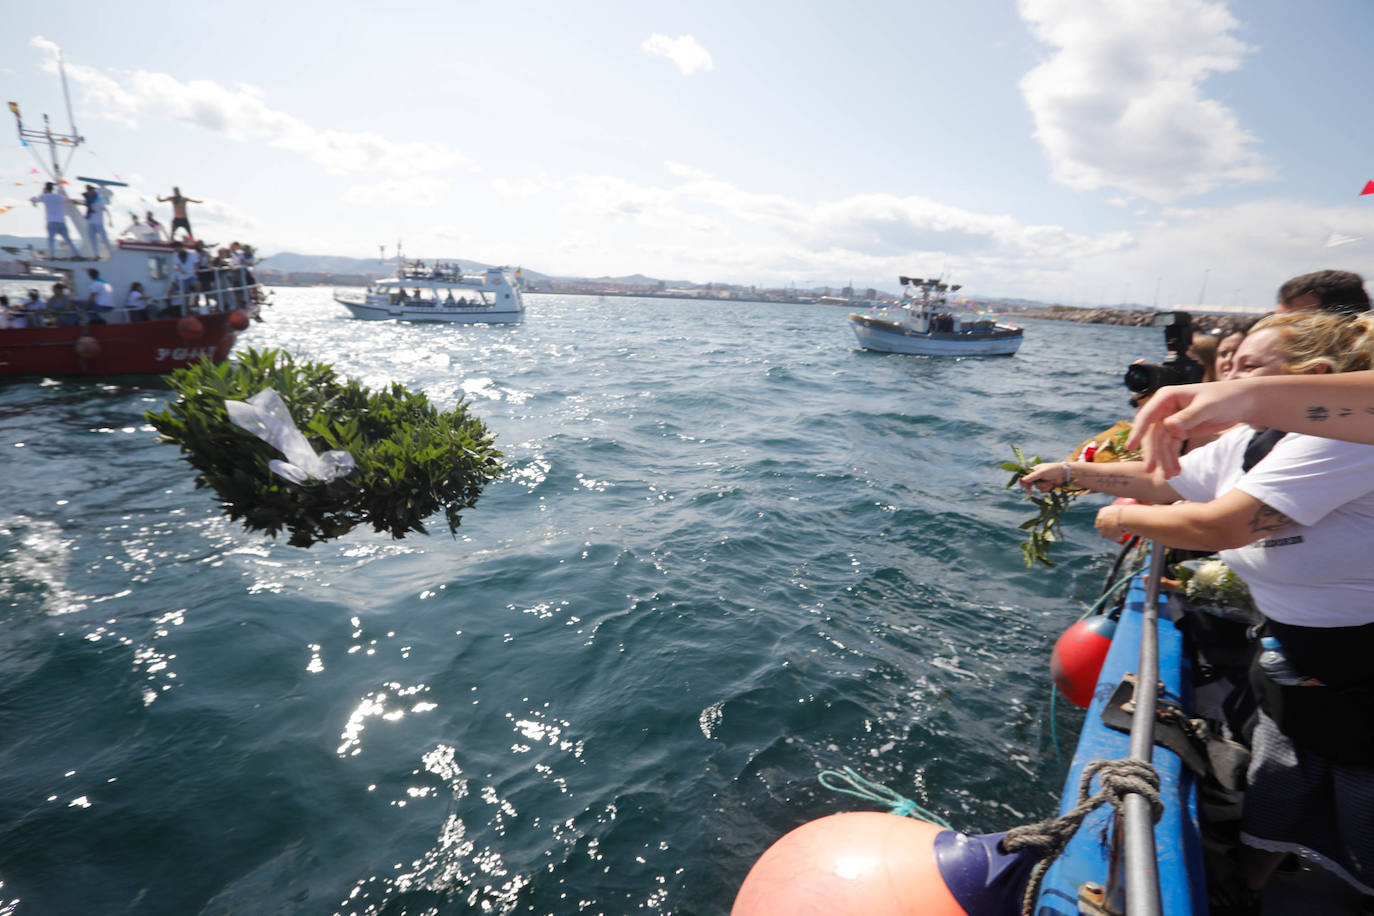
<point x="730" y="550"/>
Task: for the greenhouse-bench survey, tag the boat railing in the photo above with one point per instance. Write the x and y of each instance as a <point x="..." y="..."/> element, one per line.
<point x="1138" y="823"/>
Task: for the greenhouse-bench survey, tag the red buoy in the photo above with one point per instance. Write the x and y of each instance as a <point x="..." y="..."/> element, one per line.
<point x="1077" y="659"/>
<point x="87" y="347"/>
<point x="190" y="328"/>
<point x="238" y="319"/>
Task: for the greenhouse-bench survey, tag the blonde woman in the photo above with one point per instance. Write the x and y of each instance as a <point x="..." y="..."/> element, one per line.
<point x="1293" y="516"/>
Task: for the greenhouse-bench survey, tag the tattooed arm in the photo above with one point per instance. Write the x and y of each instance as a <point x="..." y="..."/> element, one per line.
<point x="1333" y="406"/>
<point x="1116" y="478"/>
<point x="1232" y="520"/>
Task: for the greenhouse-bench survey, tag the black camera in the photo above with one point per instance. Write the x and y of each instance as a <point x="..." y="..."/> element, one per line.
<point x="1178" y="368"/>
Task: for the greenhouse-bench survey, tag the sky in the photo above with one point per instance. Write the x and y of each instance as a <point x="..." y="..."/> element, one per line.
<point x="1156" y="152"/>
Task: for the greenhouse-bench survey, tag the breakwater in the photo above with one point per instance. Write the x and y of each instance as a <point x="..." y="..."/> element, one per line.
<point x="1137" y="318"/>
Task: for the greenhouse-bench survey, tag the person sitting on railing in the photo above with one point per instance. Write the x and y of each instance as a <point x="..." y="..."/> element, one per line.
<point x="136" y="304"/>
<point x="1292" y="515"/>
<point x="154" y="230"/>
<point x="36" y="309"/>
<point x="62" y="308"/>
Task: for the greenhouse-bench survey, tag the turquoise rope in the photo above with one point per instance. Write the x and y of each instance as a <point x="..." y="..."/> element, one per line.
<point x="851" y="783"/>
<point x="1054" y="689"/>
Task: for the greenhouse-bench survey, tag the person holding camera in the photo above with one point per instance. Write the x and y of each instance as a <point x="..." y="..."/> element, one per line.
<point x="1292" y="515"/>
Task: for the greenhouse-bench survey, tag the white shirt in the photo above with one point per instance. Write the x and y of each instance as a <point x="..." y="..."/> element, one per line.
<point x="1316" y="573"/>
<point x="185" y="269"/>
<point x="135" y="300"/>
<point x="102" y="293"/>
<point x="52" y="206"/>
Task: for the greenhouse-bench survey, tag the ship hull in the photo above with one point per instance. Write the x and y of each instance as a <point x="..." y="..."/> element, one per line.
<point x="134" y="348"/>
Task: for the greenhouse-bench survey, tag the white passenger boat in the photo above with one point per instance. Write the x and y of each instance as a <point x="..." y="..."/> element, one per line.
<point x="439" y="294"/>
<point x="923" y="324"/>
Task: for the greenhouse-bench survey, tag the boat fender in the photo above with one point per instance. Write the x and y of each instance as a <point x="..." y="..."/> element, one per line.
<point x="87" y="347"/>
<point x="190" y="328"/>
<point x="238" y="320"/>
<point x="867" y="863"/>
<point x="1076" y="662"/>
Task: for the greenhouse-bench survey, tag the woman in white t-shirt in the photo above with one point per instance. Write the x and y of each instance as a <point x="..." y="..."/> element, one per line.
<point x="1293" y="516"/>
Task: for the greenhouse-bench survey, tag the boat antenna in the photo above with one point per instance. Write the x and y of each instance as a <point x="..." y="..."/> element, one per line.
<point x="46" y="135"/>
<point x="66" y="94"/>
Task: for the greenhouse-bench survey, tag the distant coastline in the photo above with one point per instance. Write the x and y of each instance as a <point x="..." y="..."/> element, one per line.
<point x="1138" y="318"/>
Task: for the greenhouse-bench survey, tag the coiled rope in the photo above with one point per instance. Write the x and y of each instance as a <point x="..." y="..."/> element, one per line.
<point x="1117" y="778"/>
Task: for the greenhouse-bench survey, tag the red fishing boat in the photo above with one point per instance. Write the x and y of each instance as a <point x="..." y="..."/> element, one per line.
<point x="183" y="313"/>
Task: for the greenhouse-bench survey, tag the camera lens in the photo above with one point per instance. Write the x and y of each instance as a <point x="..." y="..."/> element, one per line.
<point x="1142" y="377"/>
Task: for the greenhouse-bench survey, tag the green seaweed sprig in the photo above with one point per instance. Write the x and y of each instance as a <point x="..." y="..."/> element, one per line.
<point x="1045" y="528"/>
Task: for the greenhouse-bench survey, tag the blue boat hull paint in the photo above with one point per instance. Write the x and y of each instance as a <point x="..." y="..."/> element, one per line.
<point x="1182" y="882"/>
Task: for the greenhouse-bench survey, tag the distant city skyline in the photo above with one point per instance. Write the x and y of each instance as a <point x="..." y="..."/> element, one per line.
<point x="1154" y="151"/>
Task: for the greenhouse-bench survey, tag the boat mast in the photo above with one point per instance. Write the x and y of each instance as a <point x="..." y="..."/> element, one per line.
<point x="46" y="136"/>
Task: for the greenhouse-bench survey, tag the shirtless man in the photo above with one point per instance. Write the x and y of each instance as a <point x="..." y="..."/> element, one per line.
<point x="179" y="203"/>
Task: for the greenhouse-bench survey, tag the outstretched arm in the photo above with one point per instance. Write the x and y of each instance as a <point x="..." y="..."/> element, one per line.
<point x="1333" y="406"/>
<point x="1117" y="478"/>
<point x="163" y="200"/>
<point x="1232" y="520"/>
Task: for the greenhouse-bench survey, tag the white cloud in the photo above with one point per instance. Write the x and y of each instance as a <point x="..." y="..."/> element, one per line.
<point x="1120" y="102"/>
<point x="684" y="51"/>
<point x="241" y="113"/>
<point x="413" y="191"/>
<point x="679" y="170"/>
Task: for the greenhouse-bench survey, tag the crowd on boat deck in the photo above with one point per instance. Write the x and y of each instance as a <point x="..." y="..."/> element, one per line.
<point x="416" y="270"/>
<point x="199" y="281"/>
<point x="1292" y="514"/>
<point x="96" y="200"/>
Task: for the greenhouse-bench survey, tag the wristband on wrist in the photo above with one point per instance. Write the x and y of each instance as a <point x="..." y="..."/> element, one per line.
<point x="1068" y="473"/>
<point x="1119" y="524"/>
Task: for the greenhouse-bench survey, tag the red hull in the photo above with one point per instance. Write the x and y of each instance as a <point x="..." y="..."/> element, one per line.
<point x="137" y="348"/>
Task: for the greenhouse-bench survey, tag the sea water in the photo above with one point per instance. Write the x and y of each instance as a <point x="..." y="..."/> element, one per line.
<point x="730" y="550"/>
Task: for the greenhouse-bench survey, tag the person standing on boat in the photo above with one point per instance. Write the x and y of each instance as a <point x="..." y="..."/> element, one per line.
<point x="95" y="220"/>
<point x="179" y="202"/>
<point x="101" y="301"/>
<point x="1292" y="515"/>
<point x="55" y="210"/>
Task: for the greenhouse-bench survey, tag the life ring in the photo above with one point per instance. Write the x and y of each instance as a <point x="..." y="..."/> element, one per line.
<point x="238" y="320"/>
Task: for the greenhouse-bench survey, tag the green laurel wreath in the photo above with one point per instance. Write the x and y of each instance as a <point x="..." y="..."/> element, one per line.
<point x="411" y="459"/>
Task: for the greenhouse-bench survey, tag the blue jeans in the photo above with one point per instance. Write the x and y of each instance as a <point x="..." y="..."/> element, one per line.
<point x="54" y="230"/>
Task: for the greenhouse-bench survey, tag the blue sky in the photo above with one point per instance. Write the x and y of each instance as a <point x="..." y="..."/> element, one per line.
<point x="1082" y="151"/>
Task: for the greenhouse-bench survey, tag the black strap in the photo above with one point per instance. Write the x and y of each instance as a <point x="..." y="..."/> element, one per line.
<point x="1261" y="443"/>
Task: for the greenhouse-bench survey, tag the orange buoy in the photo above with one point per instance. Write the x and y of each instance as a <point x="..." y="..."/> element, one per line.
<point x="238" y="319"/>
<point x="1076" y="662"/>
<point x="87" y="347"/>
<point x="189" y="328"/>
<point x="864" y="863"/>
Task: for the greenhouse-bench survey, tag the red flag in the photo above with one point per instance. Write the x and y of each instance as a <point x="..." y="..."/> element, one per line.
<point x="1368" y="189"/>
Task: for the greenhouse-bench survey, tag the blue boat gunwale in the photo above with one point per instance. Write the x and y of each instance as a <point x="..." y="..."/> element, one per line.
<point x="1178" y="840"/>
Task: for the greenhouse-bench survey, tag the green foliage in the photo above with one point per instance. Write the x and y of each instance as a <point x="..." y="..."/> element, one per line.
<point x="1045" y="528"/>
<point x="412" y="459"/>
